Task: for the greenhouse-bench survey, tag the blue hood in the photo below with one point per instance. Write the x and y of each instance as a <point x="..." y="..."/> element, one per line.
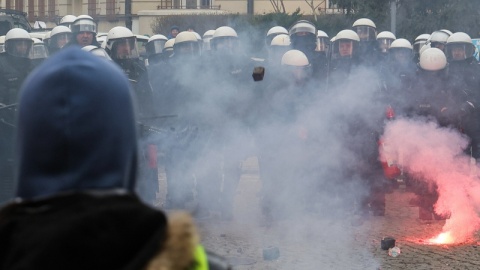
<point x="76" y="127"/>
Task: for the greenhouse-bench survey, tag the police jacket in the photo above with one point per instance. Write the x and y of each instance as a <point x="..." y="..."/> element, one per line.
<point x="13" y="71"/>
<point x="433" y="96"/>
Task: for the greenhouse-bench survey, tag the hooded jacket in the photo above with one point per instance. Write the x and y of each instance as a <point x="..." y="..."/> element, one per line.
<point x="76" y="148"/>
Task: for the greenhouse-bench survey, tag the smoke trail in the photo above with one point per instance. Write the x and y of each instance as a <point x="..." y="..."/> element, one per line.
<point x="436" y="155"/>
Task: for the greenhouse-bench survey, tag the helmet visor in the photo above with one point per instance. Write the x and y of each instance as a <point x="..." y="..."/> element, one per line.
<point x="438" y="45"/>
<point x="224" y="44"/>
<point x="322" y="44"/>
<point x="124" y="48"/>
<point x="418" y="45"/>
<point x="60" y="40"/>
<point x="366" y="33"/>
<point x="303" y="28"/>
<point x="39" y="51"/>
<point x="343" y="48"/>
<point x="459" y="51"/>
<point x="384" y="44"/>
<point x="155" y="46"/>
<point x="84" y="26"/>
<point x="19" y="47"/>
<point x="186" y="48"/>
<point x="400" y="55"/>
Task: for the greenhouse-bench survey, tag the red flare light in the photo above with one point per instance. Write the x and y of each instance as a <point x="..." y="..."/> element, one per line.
<point x="444" y="238"/>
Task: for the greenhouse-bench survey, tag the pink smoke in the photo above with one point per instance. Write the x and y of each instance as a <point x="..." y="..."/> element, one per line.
<point x="436" y="154"/>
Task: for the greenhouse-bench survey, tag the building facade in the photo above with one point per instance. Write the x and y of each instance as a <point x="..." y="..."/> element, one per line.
<point x="111" y="13"/>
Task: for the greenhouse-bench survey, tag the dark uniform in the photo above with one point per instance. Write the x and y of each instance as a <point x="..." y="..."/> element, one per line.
<point x="434" y="96"/>
<point x="13" y="71"/>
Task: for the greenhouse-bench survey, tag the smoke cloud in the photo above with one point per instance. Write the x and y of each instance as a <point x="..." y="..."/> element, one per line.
<point x="436" y="155"/>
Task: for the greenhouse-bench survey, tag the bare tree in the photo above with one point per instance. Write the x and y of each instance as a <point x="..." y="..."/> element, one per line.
<point x="314" y="6"/>
<point x="278" y="6"/>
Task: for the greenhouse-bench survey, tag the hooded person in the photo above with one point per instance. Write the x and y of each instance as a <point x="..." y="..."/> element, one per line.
<point x="77" y="156"/>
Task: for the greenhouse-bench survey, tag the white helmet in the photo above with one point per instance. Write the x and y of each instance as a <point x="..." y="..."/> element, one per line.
<point x="433" y="59"/>
<point x="277" y="30"/>
<point x="401" y="43"/>
<point x="60" y="36"/>
<point x="18" y="43"/>
<point x="39" y="50"/>
<point x="438" y="39"/>
<point x="419" y="42"/>
<point x="366" y="29"/>
<point x="303" y="26"/>
<point x="225" y="39"/>
<point x="447" y="31"/>
<point x="295" y="58"/>
<point x="321" y="33"/>
<point x="67" y="20"/>
<point x="121" y="43"/>
<point x="364" y="22"/>
<point x="459" y="47"/>
<point x="169" y="45"/>
<point x="155" y="44"/>
<point x="386" y="35"/>
<point x="186" y="43"/>
<point x="323" y="42"/>
<point x="281" y="40"/>
<point x="345" y="44"/>
<point x="97" y="51"/>
<point x="384" y="40"/>
<point x="224" y="31"/>
<point x="185" y="36"/>
<point x="273" y="32"/>
<point x="347" y="34"/>
<point x="401" y="48"/>
<point x="84" y="23"/>
<point x="207" y="36"/>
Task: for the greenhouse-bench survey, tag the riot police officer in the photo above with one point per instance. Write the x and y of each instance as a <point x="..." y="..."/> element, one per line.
<point x="344" y="56"/>
<point x="438" y="39"/>
<point x="398" y="74"/>
<point x="39" y="52"/>
<point x="463" y="68"/>
<point x="273" y="32"/>
<point x="15" y="65"/>
<point x="121" y="45"/>
<point x="453" y="108"/>
<point x="279" y="45"/>
<point x="207" y="36"/>
<point x="282" y="135"/>
<point x="303" y="35"/>
<point x="59" y="37"/>
<point x="154" y="48"/>
<point x="84" y="31"/>
<point x="180" y="96"/>
<point x="367" y="48"/>
<point x="418" y="44"/>
<point x="384" y="41"/>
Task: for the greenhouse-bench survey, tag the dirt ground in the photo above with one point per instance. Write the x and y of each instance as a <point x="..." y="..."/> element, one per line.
<point x="315" y="242"/>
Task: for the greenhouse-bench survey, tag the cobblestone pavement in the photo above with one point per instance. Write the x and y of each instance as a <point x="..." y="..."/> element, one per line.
<point x="314" y="242"/>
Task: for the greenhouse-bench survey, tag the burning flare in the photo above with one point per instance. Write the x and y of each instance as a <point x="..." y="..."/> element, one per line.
<point x="444" y="238"/>
<point x="437" y="156"/>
